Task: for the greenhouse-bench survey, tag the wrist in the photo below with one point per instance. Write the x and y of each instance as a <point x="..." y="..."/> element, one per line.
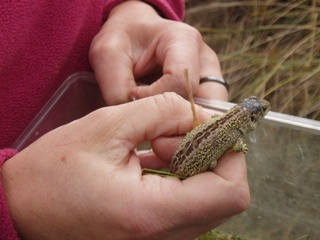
<point x="7" y="229"/>
<point x="133" y="7"/>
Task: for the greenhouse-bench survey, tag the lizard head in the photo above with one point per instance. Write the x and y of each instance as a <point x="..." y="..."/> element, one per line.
<point x="255" y="109"/>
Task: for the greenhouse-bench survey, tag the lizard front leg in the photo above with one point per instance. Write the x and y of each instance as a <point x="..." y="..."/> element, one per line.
<point x="240" y="146"/>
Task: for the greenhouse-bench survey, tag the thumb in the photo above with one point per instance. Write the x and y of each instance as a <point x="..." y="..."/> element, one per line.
<point x="161" y="115"/>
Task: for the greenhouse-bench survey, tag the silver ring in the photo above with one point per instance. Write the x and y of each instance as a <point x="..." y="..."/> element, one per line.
<point x="215" y="79"/>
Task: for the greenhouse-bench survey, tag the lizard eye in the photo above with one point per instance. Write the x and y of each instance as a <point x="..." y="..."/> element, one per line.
<point x="252" y="118"/>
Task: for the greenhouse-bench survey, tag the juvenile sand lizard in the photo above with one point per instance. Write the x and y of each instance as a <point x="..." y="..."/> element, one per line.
<point x="204" y="145"/>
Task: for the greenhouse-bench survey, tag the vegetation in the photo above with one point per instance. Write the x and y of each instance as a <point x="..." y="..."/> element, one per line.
<point x="267" y="48"/>
<point x="216" y="235"/>
<point x="270" y="49"/>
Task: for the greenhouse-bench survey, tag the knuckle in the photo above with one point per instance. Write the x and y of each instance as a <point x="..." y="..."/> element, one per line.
<point x="100" y="46"/>
<point x="169" y="99"/>
<point x="115" y="98"/>
<point x="193" y="33"/>
<point x="196" y="35"/>
<point x="98" y="114"/>
<point x="242" y="200"/>
<point x="211" y="54"/>
<point x="180" y="30"/>
<point x="170" y="104"/>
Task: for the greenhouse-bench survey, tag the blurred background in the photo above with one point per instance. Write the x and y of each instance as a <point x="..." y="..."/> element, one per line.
<point x="269" y="48"/>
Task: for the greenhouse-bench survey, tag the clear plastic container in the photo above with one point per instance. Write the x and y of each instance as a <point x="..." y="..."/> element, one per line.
<point x="283" y="162"/>
<point x="76" y="97"/>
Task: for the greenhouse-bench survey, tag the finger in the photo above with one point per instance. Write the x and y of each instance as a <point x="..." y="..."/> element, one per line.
<point x="150" y="160"/>
<point x="210" y="66"/>
<point x="110" y="59"/>
<point x="212" y="90"/>
<point x="227" y="185"/>
<point x="221" y="190"/>
<point x="146" y="119"/>
<point x="210" y="196"/>
<point x="165" y="147"/>
<point x="226" y="165"/>
<point x="175" y="52"/>
<point x="209" y="62"/>
<point x="207" y="197"/>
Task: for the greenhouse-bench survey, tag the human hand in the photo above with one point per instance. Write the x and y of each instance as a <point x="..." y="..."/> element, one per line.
<point x="84" y="179"/>
<point x="136" y="42"/>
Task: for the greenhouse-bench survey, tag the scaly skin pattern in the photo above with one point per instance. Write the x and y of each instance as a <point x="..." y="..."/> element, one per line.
<point x="204" y="145"/>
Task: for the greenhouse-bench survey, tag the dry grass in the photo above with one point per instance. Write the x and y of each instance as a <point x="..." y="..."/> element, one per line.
<point x="216" y="235"/>
<point x="267" y="48"/>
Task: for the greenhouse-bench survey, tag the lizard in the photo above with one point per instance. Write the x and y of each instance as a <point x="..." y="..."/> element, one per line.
<point x="201" y="148"/>
<point x="205" y="144"/>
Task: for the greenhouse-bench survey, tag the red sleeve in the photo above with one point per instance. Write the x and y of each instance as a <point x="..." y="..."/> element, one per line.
<point x="171" y="9"/>
<point x="7" y="231"/>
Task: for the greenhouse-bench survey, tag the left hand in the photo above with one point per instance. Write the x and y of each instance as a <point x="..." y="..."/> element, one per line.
<point x="83" y="180"/>
<point x="136" y="42"/>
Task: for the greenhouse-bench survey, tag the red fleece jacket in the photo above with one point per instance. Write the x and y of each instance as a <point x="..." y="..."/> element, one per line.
<point x="41" y="43"/>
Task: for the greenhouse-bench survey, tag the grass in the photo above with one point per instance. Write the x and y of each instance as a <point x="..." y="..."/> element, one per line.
<point x="270" y="49"/>
<point x="216" y="235"/>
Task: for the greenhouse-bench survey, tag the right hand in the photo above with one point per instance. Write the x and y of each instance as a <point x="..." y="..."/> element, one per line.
<point x="136" y="42"/>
